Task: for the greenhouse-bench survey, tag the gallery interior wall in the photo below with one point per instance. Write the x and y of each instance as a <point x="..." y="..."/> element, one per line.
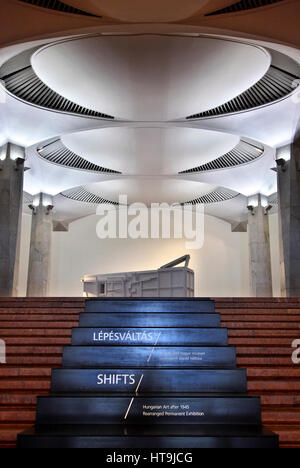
<point x="221" y="266"/>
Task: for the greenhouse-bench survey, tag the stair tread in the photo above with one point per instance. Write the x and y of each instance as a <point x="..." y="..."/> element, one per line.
<point x="154" y="396"/>
<point x="143" y="430"/>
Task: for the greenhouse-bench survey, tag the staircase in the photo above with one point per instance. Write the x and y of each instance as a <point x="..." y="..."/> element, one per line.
<point x="148" y="374"/>
<point x="36" y="330"/>
<point x="263" y="331"/>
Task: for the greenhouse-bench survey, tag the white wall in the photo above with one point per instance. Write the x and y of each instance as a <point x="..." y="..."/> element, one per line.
<point x="221" y="266"/>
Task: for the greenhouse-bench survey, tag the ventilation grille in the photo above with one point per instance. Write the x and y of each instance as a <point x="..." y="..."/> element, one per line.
<point x="243" y="153"/>
<point x="273" y="199"/>
<point x="26" y="85"/>
<point x="244" y="5"/>
<point x="82" y="195"/>
<point x="219" y="195"/>
<point x="58" y="6"/>
<point x="55" y="152"/>
<point x="274" y="85"/>
<point x="27" y="198"/>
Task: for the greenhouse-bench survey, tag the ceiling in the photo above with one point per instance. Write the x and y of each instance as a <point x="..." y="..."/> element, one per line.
<point x="150" y="78"/>
<point x="149" y="151"/>
<point x="143" y="10"/>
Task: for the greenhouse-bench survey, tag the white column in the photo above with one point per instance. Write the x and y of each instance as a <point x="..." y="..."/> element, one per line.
<point x="259" y="247"/>
<point x="288" y="176"/>
<point x="11" y="192"/>
<point x="40" y="247"/>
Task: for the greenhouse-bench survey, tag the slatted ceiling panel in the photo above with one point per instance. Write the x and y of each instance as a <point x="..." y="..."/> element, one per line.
<point x="58" y="6"/>
<point x="27" y="198"/>
<point x="26" y="85"/>
<point x="243" y="153"/>
<point x="57" y="153"/>
<point x="274" y="85"/>
<point x="216" y="196"/>
<point x="243" y="5"/>
<point x="82" y="195"/>
<point x="273" y="199"/>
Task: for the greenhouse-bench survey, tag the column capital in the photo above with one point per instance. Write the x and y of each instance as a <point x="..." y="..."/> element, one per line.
<point x="32" y="208"/>
<point x="259" y="201"/>
<point x="40" y="246"/>
<point x="42" y="200"/>
<point x="283" y="156"/>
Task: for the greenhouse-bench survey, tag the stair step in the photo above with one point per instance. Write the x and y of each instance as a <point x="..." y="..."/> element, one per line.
<point x="148" y="381"/>
<point x="261" y="318"/>
<point x="19" y="399"/>
<point x="142" y="356"/>
<point x="169" y="437"/>
<point x="261" y="312"/>
<point x="280" y="400"/>
<point x="33" y="350"/>
<point x="274" y="386"/>
<point x="57" y="303"/>
<point x="9" y="433"/>
<point x="263" y="333"/>
<point x="45" y="341"/>
<point x="277" y="373"/>
<point x="21" y="324"/>
<point x="17" y="372"/>
<point x="256" y="303"/>
<point x="271" y="300"/>
<point x="281" y="417"/>
<point x="288" y="435"/>
<point x="264" y="361"/>
<point x="25" y="384"/>
<point x="261" y="341"/>
<point x="51" y="361"/>
<point x="261" y="325"/>
<point x="36" y="332"/>
<point x="17" y="415"/>
<point x="24" y="311"/>
<point x="37" y="318"/>
<point x="145" y="305"/>
<point x="266" y="351"/>
<point x="149" y="336"/>
<point x="149" y="320"/>
<point x="208" y="409"/>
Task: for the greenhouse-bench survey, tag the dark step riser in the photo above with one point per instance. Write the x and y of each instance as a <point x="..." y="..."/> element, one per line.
<point x="149" y="337"/>
<point x="181" y="306"/>
<point x="149" y="320"/>
<point x="160" y="410"/>
<point x="131" y="357"/>
<point x="148" y="381"/>
<point x="147" y="442"/>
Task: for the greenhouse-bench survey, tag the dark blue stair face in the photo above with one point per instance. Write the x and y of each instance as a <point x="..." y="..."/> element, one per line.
<point x="149" y="337"/>
<point x="180" y="436"/>
<point x="149" y="320"/>
<point x="149" y="410"/>
<point x="142" y="381"/>
<point x="141" y="356"/>
<point x="158" y="306"/>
